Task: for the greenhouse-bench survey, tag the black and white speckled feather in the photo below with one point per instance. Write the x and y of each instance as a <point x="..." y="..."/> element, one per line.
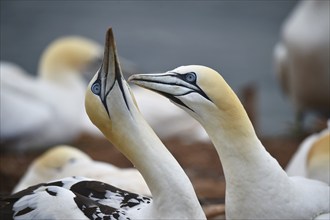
<point x="74" y="198"/>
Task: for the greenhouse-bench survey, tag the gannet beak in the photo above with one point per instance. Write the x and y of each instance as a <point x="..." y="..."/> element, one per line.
<point x="109" y="78"/>
<point x="110" y="70"/>
<point x="169" y="84"/>
<point x="109" y="73"/>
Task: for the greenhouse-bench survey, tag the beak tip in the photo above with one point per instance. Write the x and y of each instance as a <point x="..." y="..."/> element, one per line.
<point x="131" y="78"/>
<point x="110" y="62"/>
<point x="109" y="31"/>
<point x="109" y="46"/>
<point x="109" y="36"/>
<point x="135" y="78"/>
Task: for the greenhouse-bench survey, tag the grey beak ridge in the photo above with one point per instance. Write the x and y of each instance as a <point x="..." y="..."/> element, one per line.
<point x="111" y="66"/>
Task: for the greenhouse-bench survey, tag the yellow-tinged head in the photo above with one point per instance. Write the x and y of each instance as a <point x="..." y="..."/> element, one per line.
<point x="65" y="55"/>
<point x="201" y="91"/>
<point x="58" y="157"/>
<point x="188" y="85"/>
<point x="320" y="150"/>
<point x="318" y="158"/>
<point x="109" y="102"/>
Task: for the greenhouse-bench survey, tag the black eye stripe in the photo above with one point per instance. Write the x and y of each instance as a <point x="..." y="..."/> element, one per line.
<point x="173" y="98"/>
<point x="193" y="82"/>
<point x="96" y="88"/>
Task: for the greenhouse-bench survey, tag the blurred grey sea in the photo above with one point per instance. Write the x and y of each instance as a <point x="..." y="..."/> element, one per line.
<point x="234" y="37"/>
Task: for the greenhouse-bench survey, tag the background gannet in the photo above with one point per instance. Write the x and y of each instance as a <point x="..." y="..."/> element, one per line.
<point x="256" y="185"/>
<point x="312" y="158"/>
<point x="301" y="58"/>
<point x="63" y="161"/>
<point x="112" y="108"/>
<point x="48" y="109"/>
<point x="160" y="121"/>
<point x="63" y="57"/>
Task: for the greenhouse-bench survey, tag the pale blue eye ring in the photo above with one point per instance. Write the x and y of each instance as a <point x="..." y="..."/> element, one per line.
<point x="191" y="77"/>
<point x="96" y="88"/>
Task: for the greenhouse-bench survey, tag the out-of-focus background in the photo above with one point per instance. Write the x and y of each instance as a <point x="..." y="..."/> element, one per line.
<point x="236" y="38"/>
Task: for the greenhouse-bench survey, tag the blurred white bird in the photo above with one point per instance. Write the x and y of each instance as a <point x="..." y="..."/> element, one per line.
<point x="301" y="58"/>
<point x="64" y="161"/>
<point x="312" y="158"/>
<point x="53" y="100"/>
<point x="48" y="109"/>
<point x="256" y="185"/>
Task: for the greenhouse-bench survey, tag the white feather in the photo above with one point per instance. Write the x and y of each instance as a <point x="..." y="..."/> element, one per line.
<point x="63" y="161"/>
<point x="299" y="164"/>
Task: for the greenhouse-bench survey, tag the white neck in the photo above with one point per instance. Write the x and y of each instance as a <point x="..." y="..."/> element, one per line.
<point x="244" y="159"/>
<point x="170" y="187"/>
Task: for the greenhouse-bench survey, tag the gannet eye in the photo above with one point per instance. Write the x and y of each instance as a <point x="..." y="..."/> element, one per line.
<point x="191" y="77"/>
<point x="96" y="88"/>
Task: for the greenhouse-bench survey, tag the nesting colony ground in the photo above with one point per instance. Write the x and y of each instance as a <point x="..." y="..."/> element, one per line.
<point x="200" y="162"/>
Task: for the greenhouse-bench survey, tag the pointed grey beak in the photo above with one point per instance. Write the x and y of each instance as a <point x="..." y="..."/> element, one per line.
<point x="166" y="84"/>
<point x="110" y="70"/>
<point x="109" y="73"/>
<point x="172" y="85"/>
<point x="159" y="82"/>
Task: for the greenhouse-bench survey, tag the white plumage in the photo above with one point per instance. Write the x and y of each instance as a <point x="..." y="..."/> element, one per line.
<point x="301" y="57"/>
<point x="112" y="108"/>
<point x="256" y="185"/>
<point x="312" y="158"/>
<point x="53" y="101"/>
<point x="63" y="161"/>
<point x="73" y="198"/>
<point x="42" y="111"/>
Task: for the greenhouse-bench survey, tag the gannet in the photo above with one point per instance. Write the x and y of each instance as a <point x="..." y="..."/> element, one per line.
<point x="42" y="111"/>
<point x="312" y="158"/>
<point x="112" y="108"/>
<point x="256" y="185"/>
<point x="187" y="129"/>
<point x="63" y="161"/>
<point x="301" y="58"/>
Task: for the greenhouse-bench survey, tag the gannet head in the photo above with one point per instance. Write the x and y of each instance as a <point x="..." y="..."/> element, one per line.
<point x="108" y="97"/>
<point x="66" y="55"/>
<point x="194" y="88"/>
<point x="57" y="157"/>
<point x="318" y="158"/>
<point x="51" y="164"/>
